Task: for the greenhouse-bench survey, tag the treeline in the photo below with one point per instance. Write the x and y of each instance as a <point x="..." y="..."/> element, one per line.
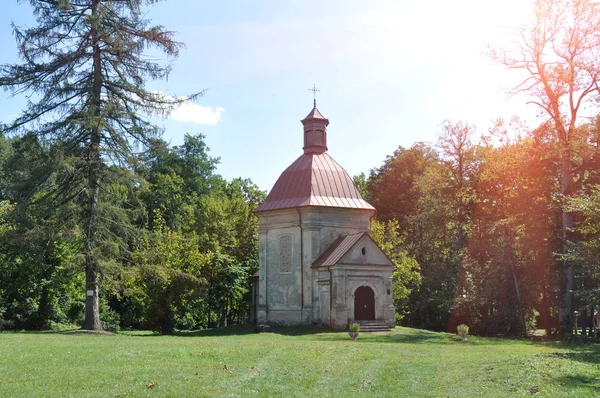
<point x="473" y="223"/>
<point x="482" y="217"/>
<point x="500" y="232"/>
<point x="177" y="243"/>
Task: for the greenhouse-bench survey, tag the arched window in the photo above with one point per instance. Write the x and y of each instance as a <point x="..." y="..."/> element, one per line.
<point x="285" y="254"/>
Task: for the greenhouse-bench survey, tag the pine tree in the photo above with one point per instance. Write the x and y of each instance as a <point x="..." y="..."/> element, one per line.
<point x="84" y="72"/>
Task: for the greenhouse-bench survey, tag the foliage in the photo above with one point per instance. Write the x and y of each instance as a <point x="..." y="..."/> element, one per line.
<point x="405" y="277"/>
<point x="85" y="63"/>
<point x="354" y="327"/>
<point x="159" y="273"/>
<point x="559" y="53"/>
<point x="483" y="221"/>
<point x="531" y="321"/>
<point x="586" y="253"/>
<point x="462" y="328"/>
<point x="361" y="183"/>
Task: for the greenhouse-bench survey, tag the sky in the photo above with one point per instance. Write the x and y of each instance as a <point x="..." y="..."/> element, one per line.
<point x="389" y="73"/>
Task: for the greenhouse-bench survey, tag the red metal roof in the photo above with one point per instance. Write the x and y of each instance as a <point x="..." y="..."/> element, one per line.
<point x="314" y="179"/>
<point x="337" y="249"/>
<point x="315" y="114"/>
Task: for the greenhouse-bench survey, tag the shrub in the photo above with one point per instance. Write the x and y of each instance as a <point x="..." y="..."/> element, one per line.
<point x="531" y="320"/>
<point x="462" y="328"/>
<point x="354" y="327"/>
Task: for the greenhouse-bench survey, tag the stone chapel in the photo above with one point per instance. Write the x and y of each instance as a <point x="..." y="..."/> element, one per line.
<point x="318" y="264"/>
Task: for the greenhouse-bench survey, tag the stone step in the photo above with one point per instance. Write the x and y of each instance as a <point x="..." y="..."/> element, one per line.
<point x="374" y="329"/>
<point x="373" y="326"/>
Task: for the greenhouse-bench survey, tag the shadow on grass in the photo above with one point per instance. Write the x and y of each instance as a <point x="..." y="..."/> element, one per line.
<point x="234" y="330"/>
<point x="241" y="330"/>
<point x="572" y="382"/>
<point x="302" y="330"/>
<point x="414" y="337"/>
<point x="417" y="336"/>
<point x="409" y="338"/>
<point x="587" y="354"/>
<point x="395" y="336"/>
<point x="251" y="329"/>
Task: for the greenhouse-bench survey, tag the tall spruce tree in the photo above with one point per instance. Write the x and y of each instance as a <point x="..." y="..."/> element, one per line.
<point x="84" y="71"/>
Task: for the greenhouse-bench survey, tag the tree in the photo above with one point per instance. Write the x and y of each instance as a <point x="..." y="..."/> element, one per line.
<point x="460" y="159"/>
<point x="39" y="243"/>
<point x="177" y="177"/>
<point x="406" y="277"/>
<point x="413" y="187"/>
<point x="83" y="66"/>
<point x="392" y="187"/>
<point x="587" y="251"/>
<point x="509" y="262"/>
<point x="560" y="54"/>
<point x="360" y="180"/>
<point x="459" y="155"/>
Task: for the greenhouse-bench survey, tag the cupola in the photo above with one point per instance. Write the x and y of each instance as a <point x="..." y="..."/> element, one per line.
<point x="314" y="179"/>
<point x="315" y="132"/>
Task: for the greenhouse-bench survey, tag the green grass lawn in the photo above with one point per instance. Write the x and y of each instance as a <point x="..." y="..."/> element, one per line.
<point x="292" y="363"/>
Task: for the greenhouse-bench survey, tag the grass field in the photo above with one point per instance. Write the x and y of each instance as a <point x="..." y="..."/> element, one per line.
<point x="292" y="363"/>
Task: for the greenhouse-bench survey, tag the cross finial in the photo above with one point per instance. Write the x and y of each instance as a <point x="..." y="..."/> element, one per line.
<point x="315" y="91"/>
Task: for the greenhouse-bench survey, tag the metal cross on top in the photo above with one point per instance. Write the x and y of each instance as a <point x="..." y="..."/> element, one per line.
<point x="315" y="91"/>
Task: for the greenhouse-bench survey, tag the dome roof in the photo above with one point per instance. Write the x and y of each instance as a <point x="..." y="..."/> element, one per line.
<point x="314" y="179"/>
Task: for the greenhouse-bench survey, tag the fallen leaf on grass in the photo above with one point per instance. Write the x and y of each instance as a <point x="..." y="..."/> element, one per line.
<point x="534" y="390"/>
<point x="254" y="369"/>
<point x="152" y="384"/>
<point x="365" y="383"/>
<point x="225" y="367"/>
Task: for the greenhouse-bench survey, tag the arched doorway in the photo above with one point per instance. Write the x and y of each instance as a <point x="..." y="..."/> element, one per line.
<point x="364" y="304"/>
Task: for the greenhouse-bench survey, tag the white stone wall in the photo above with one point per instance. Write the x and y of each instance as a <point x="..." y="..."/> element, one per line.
<point x="345" y="280"/>
<point x="279" y="299"/>
<point x="300" y="294"/>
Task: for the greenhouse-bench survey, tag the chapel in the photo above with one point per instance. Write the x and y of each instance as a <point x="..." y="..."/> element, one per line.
<point x="318" y="264"/>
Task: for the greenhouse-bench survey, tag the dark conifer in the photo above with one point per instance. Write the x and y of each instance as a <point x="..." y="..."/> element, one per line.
<point x="84" y="71"/>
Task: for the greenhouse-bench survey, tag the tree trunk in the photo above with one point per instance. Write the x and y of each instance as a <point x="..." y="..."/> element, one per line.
<point x="521" y="305"/>
<point x="92" y="303"/>
<point x="545" y="312"/>
<point x="591" y="322"/>
<point x="566" y="301"/>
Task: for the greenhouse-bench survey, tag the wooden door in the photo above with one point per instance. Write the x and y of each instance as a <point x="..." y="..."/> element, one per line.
<point x="364" y="304"/>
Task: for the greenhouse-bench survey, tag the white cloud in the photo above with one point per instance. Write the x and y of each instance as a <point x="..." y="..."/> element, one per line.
<point x="189" y="112"/>
<point x="197" y="114"/>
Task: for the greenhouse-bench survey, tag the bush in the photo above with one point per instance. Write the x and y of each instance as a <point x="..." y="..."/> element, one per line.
<point x="109" y="318"/>
<point x="354" y="327"/>
<point x="462" y="328"/>
<point x="531" y="320"/>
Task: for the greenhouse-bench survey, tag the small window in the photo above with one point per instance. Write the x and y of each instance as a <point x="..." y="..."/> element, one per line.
<point x="363" y="251"/>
